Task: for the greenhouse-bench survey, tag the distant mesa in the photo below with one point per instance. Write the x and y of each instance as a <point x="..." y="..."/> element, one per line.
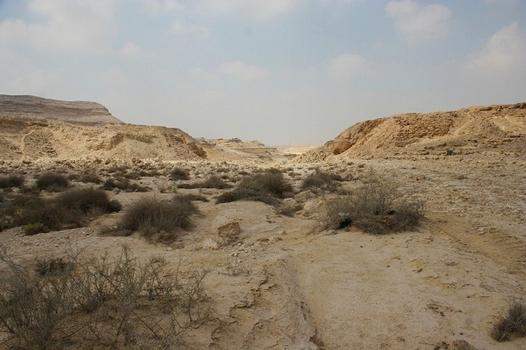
<point x="33" y="107"/>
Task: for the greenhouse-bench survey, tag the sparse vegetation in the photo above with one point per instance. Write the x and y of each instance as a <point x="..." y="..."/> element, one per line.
<point x="513" y="325"/>
<point x="103" y="303"/>
<point x="87" y="201"/>
<point x="322" y="180"/>
<point x="123" y="184"/>
<point x="376" y="207"/>
<point x="70" y="208"/>
<point x="159" y="219"/>
<point x="212" y="182"/>
<point x="179" y="174"/>
<point x="193" y="197"/>
<point x="268" y="187"/>
<point x="52" y="182"/>
<point x="10" y="181"/>
<point x="90" y="177"/>
<point x="54" y="267"/>
<point x="33" y="229"/>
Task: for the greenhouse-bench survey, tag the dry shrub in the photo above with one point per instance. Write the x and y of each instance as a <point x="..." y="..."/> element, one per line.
<point x="268" y="187"/>
<point x="38" y="214"/>
<point x="193" y="197"/>
<point x="33" y="229"/>
<point x="90" y="177"/>
<point x="54" y="267"/>
<point x="322" y="180"/>
<point x="70" y="208"/>
<point x="513" y="325"/>
<point x="376" y="207"/>
<point x="87" y="201"/>
<point x="179" y="174"/>
<point x="103" y="303"/>
<point x="212" y="182"/>
<point x="158" y="219"/>
<point x="123" y="184"/>
<point x="10" y="181"/>
<point x="52" y="182"/>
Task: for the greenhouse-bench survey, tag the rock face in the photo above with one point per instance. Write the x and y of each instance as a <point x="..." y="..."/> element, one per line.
<point x="34" y="128"/>
<point x="476" y="128"/>
<point x="32" y="107"/>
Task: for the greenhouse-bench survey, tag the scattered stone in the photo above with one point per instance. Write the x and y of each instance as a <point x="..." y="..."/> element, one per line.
<point x="210" y="244"/>
<point x="229" y="233"/>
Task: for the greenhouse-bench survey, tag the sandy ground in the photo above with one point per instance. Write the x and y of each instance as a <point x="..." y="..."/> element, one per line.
<point x="287" y="284"/>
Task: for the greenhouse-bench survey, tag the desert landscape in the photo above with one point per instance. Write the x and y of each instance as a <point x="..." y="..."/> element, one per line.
<point x="404" y="232"/>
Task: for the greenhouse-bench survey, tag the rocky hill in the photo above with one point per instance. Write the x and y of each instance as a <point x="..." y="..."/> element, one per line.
<point x="469" y="130"/>
<point x="31" y="139"/>
<point x="32" y="107"/>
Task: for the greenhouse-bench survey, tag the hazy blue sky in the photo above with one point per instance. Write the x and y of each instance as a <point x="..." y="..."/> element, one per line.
<point x="281" y="71"/>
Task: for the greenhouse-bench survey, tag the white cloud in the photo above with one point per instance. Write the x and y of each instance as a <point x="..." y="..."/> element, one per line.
<point x="21" y="76"/>
<point x="254" y="9"/>
<point x="192" y="30"/>
<point x="162" y="5"/>
<point x="505" y="51"/>
<point x="346" y="67"/>
<point x="418" y="22"/>
<point x="501" y="2"/>
<point x="243" y="71"/>
<point x="78" y="25"/>
<point x="132" y="50"/>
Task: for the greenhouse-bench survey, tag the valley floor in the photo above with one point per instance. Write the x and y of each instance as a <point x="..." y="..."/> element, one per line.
<point x="288" y="284"/>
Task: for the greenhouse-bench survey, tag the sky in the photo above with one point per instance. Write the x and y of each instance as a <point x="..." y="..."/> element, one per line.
<point x="280" y="71"/>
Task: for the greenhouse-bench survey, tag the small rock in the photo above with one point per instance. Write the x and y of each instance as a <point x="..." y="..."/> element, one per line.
<point x="210" y="244"/>
<point x="462" y="345"/>
<point x="229" y="233"/>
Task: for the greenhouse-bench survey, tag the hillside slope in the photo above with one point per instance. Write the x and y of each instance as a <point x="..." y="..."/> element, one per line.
<point x="29" y="139"/>
<point x="501" y="127"/>
<point x="32" y="107"/>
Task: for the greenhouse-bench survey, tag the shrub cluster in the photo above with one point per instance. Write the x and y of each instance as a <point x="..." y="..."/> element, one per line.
<point x="70" y="208"/>
<point x="10" y="181"/>
<point x="100" y="303"/>
<point x="376" y="207"/>
<point x="179" y="174"/>
<point x="123" y="184"/>
<point x="268" y="187"/>
<point x="159" y="219"/>
<point x="52" y="182"/>
<point x="212" y="182"/>
<point x="321" y="179"/>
